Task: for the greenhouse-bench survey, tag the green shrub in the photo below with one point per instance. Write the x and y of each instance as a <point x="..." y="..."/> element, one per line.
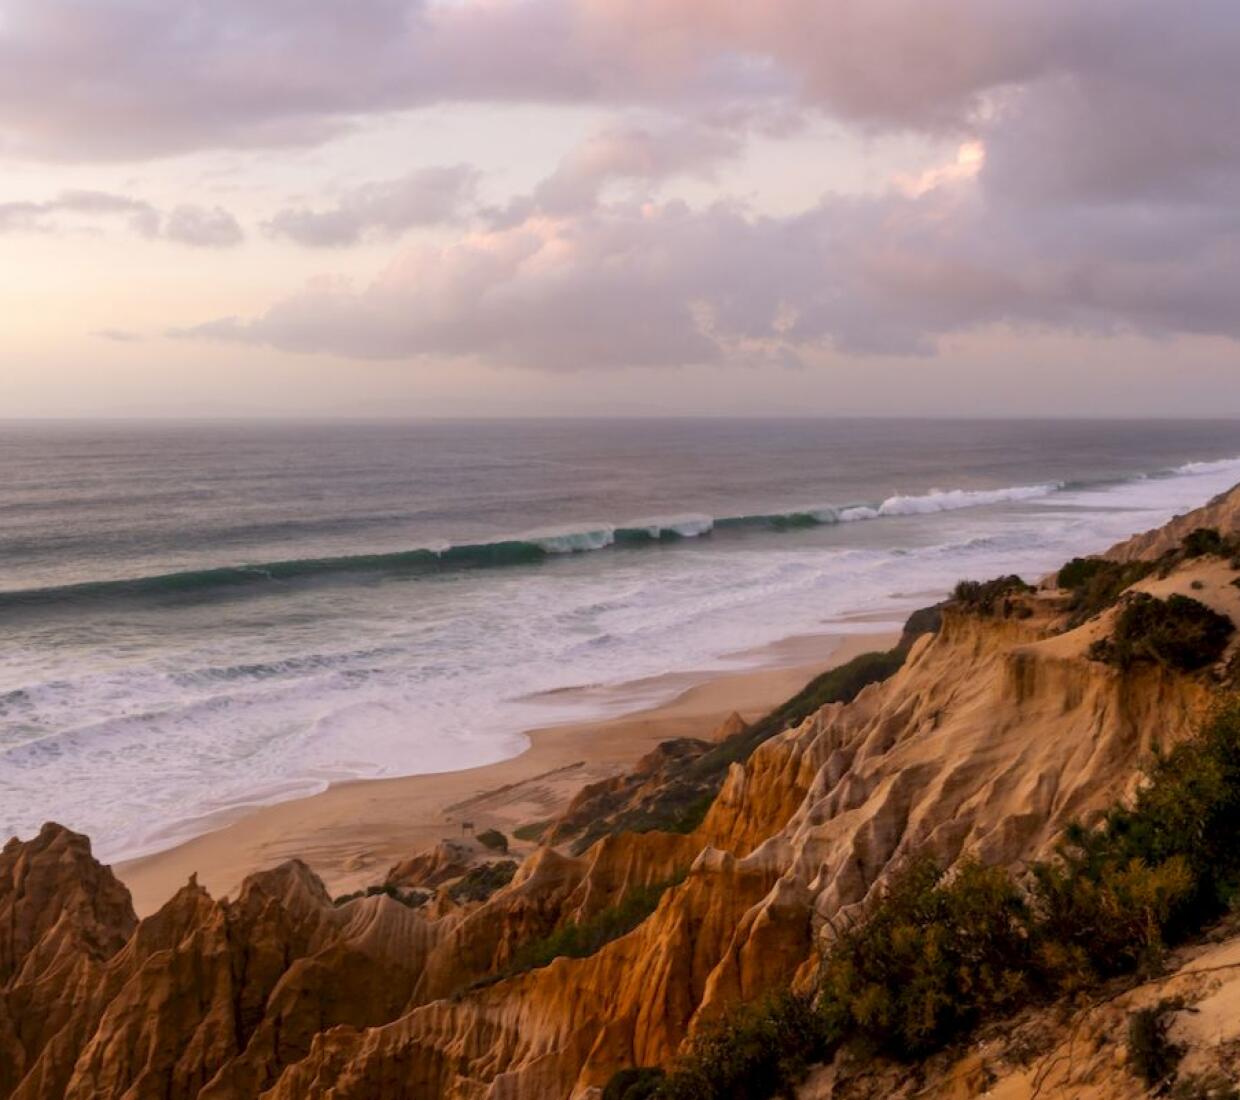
<point x="1096" y="583"/>
<point x="479" y="883"/>
<point x="532" y="831"/>
<point x="1079" y="572"/>
<point x="987" y="597"/>
<point x="580" y="940"/>
<point x="493" y="839"/>
<point x="929" y="958"/>
<point x="1188" y="808"/>
<point x="1097" y="921"/>
<point x="1179" y="632"/>
<point x="757" y="1051"/>
<point x="1152" y="1056"/>
<point x="638" y="1083"/>
<point x="1204" y="541"/>
<point x="414" y="899"/>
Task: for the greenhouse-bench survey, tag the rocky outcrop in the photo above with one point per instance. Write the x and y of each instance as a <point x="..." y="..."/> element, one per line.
<point x="204" y="998"/>
<point x="992" y="736"/>
<point x="449" y="859"/>
<point x="63" y="917"/>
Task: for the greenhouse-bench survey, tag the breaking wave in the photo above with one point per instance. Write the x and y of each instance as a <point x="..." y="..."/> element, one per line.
<point x="534" y="547"/>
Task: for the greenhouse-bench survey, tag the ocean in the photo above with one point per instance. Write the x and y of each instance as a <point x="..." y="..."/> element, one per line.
<point x="200" y="617"/>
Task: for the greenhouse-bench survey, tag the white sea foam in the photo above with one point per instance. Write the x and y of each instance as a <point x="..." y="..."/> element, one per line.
<point x="687" y="526"/>
<point x="572" y="542"/>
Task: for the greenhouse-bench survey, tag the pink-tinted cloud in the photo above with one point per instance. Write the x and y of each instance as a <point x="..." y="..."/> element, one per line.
<point x="638" y="154"/>
<point x="82" y="79"/>
<point x="1108" y="197"/>
<point x="652" y="284"/>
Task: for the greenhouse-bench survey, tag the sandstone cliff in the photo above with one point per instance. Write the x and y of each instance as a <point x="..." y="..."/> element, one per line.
<point x="993" y="735"/>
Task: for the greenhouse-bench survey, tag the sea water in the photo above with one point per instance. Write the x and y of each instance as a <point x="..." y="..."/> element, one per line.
<point x="199" y="617"/>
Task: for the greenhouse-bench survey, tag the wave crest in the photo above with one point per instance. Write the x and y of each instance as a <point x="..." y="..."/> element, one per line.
<point x="534" y="547"/>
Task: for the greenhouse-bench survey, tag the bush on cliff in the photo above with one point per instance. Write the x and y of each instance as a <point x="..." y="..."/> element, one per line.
<point x="580" y="940"/>
<point x="1094" y="922"/>
<point x="756" y="1051"/>
<point x="1179" y="632"/>
<point x="479" y="883"/>
<point x="1204" y="541"/>
<point x="1096" y="583"/>
<point x="635" y="1083"/>
<point x="493" y="839"/>
<point x="1188" y="810"/>
<point x="928" y="959"/>
<point x="990" y="597"/>
<point x="414" y="899"/>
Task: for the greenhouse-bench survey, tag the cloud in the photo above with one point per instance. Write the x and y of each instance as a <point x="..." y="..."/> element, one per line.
<point x="190" y="225"/>
<point x="202" y="227"/>
<point x="662" y="284"/>
<point x="41" y="217"/>
<point x="117" y="335"/>
<point x="384" y="208"/>
<point x="1098" y="190"/>
<point x="639" y="154"/>
<point x="132" y="78"/>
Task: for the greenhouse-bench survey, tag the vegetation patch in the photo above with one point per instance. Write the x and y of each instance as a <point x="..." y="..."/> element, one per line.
<point x="1152" y="1056"/>
<point x="680" y="804"/>
<point x="1096" y="583"/>
<point x="760" y="1050"/>
<point x="1206" y="541"/>
<point x="837" y="685"/>
<point x="636" y="1083"/>
<point x="934" y="953"/>
<point x="1178" y="632"/>
<point x="493" y="839"/>
<point x="990" y="597"/>
<point x="415" y="899"/>
<point x="929" y="960"/>
<point x="479" y="883"/>
<point x="532" y="831"/>
<point x="580" y="940"/>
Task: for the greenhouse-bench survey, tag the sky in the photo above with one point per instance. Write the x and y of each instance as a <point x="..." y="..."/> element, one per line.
<point x="619" y="207"/>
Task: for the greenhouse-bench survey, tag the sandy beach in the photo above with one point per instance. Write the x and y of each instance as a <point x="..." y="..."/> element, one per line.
<point x="351" y="833"/>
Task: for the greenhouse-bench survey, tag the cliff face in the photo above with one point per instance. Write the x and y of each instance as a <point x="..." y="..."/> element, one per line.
<point x="995" y="733"/>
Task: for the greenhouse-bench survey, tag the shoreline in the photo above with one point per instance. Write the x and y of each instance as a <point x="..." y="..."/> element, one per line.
<point x="352" y="832"/>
